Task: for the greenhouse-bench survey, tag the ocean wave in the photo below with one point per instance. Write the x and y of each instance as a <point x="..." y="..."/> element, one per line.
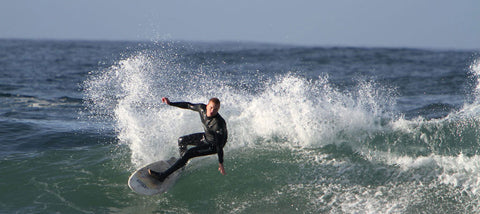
<point x="335" y="149"/>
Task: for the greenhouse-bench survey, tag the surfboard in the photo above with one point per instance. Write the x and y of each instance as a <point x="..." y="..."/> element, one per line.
<point x="142" y="183"/>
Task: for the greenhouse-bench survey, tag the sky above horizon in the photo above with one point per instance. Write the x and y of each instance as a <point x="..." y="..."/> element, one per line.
<point x="369" y="23"/>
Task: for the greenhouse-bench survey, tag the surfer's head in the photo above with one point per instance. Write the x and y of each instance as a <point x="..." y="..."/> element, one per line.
<point x="212" y="107"/>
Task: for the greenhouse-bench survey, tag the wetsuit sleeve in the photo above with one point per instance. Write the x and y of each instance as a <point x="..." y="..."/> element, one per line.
<point x="186" y="105"/>
<point x="221" y="136"/>
<point x="220" y="154"/>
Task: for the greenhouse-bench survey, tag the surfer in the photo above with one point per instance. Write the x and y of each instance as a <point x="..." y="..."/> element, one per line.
<point x="210" y="142"/>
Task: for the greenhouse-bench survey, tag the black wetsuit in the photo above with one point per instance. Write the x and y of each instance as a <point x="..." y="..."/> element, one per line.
<point x="210" y="142"/>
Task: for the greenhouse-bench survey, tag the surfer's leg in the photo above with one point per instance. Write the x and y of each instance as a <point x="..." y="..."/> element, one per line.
<point x="183" y="142"/>
<point x="198" y="151"/>
<point x="193" y="139"/>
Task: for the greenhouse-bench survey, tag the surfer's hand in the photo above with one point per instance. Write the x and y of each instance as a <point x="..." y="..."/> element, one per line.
<point x="221" y="169"/>
<point x="166" y="100"/>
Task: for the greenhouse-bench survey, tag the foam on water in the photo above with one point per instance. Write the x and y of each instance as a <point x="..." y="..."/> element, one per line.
<point x="312" y="113"/>
<point x="288" y="110"/>
<point x="126" y="93"/>
<point x="460" y="170"/>
<point x="451" y="143"/>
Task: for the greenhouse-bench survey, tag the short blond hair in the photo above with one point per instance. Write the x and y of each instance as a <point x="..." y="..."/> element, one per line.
<point x="214" y="100"/>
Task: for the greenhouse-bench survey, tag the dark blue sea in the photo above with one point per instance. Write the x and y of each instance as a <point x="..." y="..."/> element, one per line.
<point x="311" y="129"/>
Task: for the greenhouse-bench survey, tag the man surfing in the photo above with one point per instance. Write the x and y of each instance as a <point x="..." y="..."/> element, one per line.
<point x="207" y="143"/>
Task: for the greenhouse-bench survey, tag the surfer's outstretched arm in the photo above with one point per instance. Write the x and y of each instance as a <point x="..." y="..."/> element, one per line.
<point x="184" y="105"/>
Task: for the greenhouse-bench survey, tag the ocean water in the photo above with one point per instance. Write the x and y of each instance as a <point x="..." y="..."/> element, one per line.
<point x="312" y="129"/>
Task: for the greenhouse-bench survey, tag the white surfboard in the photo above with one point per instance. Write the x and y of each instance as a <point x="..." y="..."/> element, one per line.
<point x="142" y="183"/>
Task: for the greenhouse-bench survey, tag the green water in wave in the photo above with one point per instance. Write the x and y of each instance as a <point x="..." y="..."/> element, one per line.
<point x="266" y="179"/>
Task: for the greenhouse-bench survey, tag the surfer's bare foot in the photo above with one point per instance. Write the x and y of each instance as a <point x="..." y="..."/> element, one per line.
<point x="156" y="175"/>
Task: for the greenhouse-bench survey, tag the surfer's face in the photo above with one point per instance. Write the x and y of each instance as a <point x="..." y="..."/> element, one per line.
<point x="212" y="109"/>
